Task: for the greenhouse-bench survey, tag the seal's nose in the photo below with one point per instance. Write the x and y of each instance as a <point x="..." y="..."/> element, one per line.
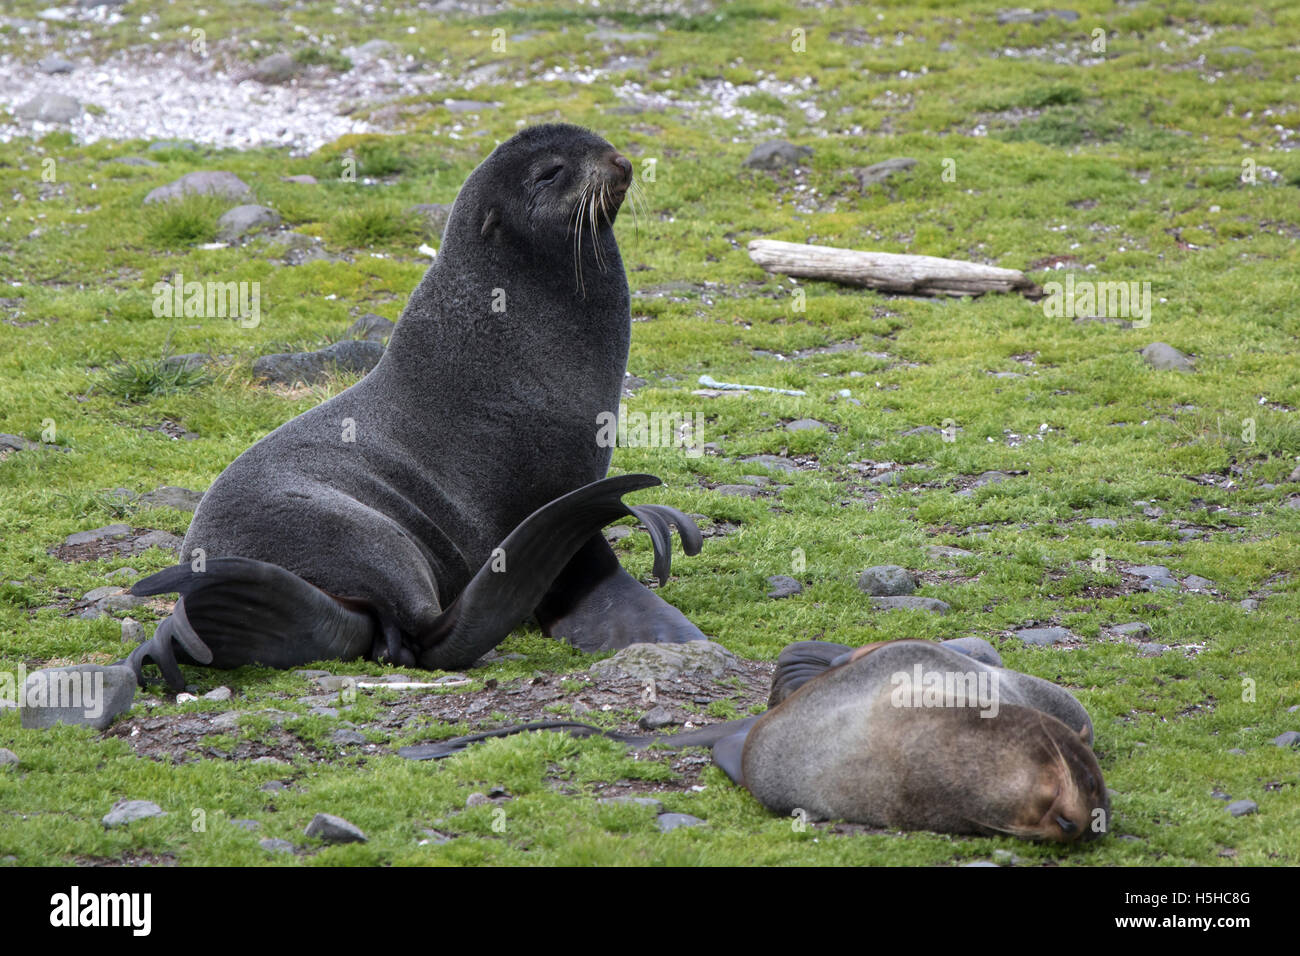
<point x="624" y="167"/>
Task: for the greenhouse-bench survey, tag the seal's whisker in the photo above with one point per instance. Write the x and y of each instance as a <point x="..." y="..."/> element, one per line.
<point x="578" y="214"/>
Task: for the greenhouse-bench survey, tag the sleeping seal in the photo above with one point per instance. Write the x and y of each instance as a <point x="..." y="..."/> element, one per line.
<point x="424" y="512"/>
<point x="905" y="734"/>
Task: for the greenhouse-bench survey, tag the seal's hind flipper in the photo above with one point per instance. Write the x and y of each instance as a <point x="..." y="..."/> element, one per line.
<point x="657" y="519"/>
<point x="516" y="578"/>
<point x="238" y="611"/>
<point x="799" y="663"/>
<point x="727" y="754"/>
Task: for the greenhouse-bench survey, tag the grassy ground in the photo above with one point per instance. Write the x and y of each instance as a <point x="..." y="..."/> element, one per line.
<point x="1126" y="165"/>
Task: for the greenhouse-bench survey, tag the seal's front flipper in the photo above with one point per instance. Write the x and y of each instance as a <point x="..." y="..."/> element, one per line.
<point x="238" y="611"/>
<point x="799" y="663"/>
<point x="521" y="571"/>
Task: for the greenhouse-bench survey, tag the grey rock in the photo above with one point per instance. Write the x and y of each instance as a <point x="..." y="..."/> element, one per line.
<point x="273" y="786"/>
<point x="1288" y="740"/>
<point x="657" y="718"/>
<point x="667" y="822"/>
<point x="84" y="695"/>
<point x="346" y="737"/>
<point x="218" y="693"/>
<point x="783" y="586"/>
<point x="55" y="64"/>
<point x="655" y="805"/>
<point x="738" y="491"/>
<point x="302" y="179"/>
<point x="216" y="182"/>
<point x="879" y="172"/>
<point x="245" y="219"/>
<point x="310" y="674"/>
<point x="1235" y="51"/>
<point x="976" y="647"/>
<point x="1138" y="630"/>
<point x="1249" y="604"/>
<point x="1154" y="649"/>
<point x="324" y="711"/>
<point x="434" y="216"/>
<point x="111" y="532"/>
<point x="50" y="108"/>
<point x="921" y="430"/>
<point x="171" y="496"/>
<point x="155" y="539"/>
<point x="775" y="154"/>
<point x="476" y="800"/>
<point x="910" y="603"/>
<point x="128" y="811"/>
<point x="97" y="594"/>
<point x="1102" y="523"/>
<point x="772" y="462"/>
<point x="266" y="761"/>
<point x="1218" y="794"/>
<point x="371" y="50"/>
<point x="470" y="106"/>
<point x="334" y="829"/>
<point x="249" y="825"/>
<point x="1186" y="533"/>
<point x="166" y="145"/>
<point x="666" y="661"/>
<point x="887" y="580"/>
<point x="1043" y="636"/>
<point x="1023" y="15"/>
<point x="1240" y="808"/>
<point x="1194" y="582"/>
<point x="7" y="757"/>
<point x="274" y="69"/>
<point x="187" y="360"/>
<point x="17" y="443"/>
<point x="1238" y="751"/>
<point x="1151" y="571"/>
<point x="1007" y="375"/>
<point x="805" y="425"/>
<point x="276" y="845"/>
<point x="312" y="367"/>
<point x="889" y="479"/>
<point x="1158" y="584"/>
<point x="937" y="551"/>
<point x="1166" y="358"/>
<point x="371" y="328"/>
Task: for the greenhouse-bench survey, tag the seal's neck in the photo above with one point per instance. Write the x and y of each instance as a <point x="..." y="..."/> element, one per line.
<point x="490" y="320"/>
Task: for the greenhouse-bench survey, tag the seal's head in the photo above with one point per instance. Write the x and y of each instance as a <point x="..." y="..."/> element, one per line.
<point x="1067" y="801"/>
<point x="547" y="188"/>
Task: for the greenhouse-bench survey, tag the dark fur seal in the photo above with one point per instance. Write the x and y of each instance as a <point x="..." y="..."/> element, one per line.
<point x="424" y="512"/>
<point x="905" y="734"/>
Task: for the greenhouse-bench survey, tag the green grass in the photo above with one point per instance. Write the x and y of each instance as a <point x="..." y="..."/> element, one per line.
<point x="1131" y="166"/>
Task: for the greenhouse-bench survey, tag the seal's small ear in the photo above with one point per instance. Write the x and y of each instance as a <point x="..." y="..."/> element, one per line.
<point x="1084" y="735"/>
<point x="490" y="223"/>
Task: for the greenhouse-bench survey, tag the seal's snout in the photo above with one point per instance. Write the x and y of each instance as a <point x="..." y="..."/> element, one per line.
<point x="622" y="171"/>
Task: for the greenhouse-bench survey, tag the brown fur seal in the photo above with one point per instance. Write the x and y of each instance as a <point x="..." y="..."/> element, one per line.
<point x="905" y="734"/>
<point x="424" y="512"/>
<point x="918" y="736"/>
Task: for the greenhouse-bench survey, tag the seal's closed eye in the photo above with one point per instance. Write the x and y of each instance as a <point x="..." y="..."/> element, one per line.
<point x="548" y="177"/>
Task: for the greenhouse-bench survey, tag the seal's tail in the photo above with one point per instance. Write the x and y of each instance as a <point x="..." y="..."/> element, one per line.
<point x="521" y="570"/>
<point x="248" y="612"/>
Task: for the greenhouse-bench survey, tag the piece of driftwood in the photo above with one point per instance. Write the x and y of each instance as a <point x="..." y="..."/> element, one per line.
<point x="888" y="271"/>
